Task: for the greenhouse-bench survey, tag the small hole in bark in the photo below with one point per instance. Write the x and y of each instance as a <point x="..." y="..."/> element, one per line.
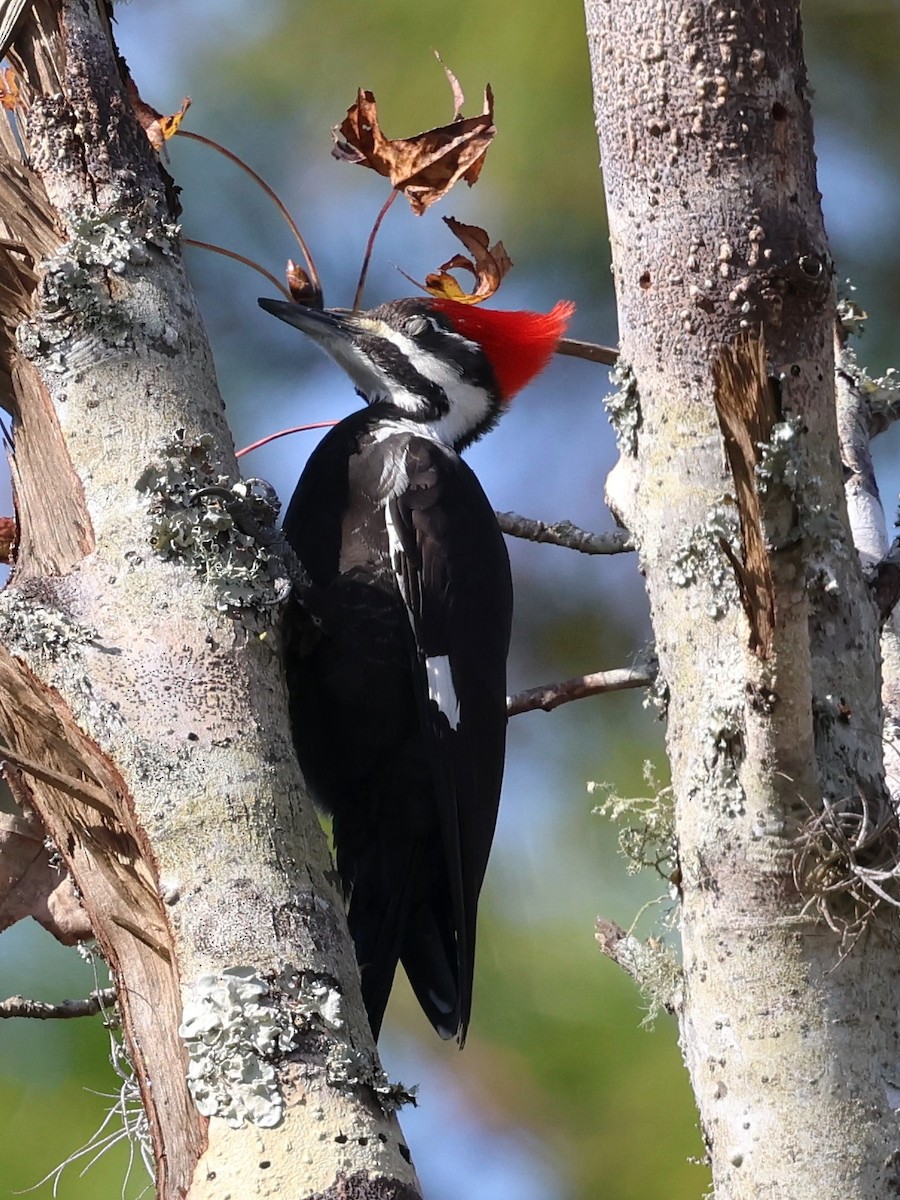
<point x="810" y="265"/>
<point x="779" y="112"/>
<point x="644" y="280"/>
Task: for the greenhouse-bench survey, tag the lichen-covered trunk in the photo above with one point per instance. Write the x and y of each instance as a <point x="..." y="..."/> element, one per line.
<point x="730" y="480"/>
<point x="140" y="684"/>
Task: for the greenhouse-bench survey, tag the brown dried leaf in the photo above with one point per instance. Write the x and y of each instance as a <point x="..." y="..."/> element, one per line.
<point x="10" y="96"/>
<point x="423" y="167"/>
<point x="301" y="287"/>
<point x="8" y="539"/>
<point x="157" y="127"/>
<point x="459" y="98"/>
<point x="30" y="886"/>
<point x="169" y="125"/>
<point x="488" y="265"/>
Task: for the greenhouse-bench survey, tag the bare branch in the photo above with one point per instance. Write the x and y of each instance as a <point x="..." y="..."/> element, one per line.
<point x="652" y="966"/>
<point x="552" y="695"/>
<point x="856" y="411"/>
<point x="38" y="1010"/>
<point x="589" y="350"/>
<point x="564" y="533"/>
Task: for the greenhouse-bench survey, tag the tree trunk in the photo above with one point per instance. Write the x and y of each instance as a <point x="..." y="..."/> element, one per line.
<point x="730" y="480"/>
<point x="140" y="682"/>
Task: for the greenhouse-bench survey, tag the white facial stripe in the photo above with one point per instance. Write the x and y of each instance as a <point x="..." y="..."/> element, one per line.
<point x="441" y="689"/>
<point x="468" y="405"/>
<point x="365" y="375"/>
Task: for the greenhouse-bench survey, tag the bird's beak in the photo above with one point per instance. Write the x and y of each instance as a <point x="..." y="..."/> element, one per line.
<point x="323" y="325"/>
<point x="339" y="333"/>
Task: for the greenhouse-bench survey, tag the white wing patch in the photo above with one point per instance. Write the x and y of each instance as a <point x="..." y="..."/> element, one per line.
<point x="396" y="552"/>
<point x="441" y="689"/>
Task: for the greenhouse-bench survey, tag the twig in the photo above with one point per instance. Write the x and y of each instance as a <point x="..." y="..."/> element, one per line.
<point x="564" y="533"/>
<point x="651" y="965"/>
<point x="592" y="351"/>
<point x="38" y="1010"/>
<point x="270" y="192"/>
<point x="552" y="695"/>
<point x="241" y="258"/>
<point x="364" y="270"/>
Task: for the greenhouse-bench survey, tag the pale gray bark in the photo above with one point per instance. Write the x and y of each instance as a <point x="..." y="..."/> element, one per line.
<point x="730" y="482"/>
<point x="139" y="666"/>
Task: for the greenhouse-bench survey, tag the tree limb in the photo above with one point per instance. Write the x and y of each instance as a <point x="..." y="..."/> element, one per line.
<point x="589" y="350"/>
<point x="38" y="1010"/>
<point x="551" y="695"/>
<point x="564" y="533"/>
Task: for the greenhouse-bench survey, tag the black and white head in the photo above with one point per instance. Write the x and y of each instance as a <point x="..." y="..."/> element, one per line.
<point x="449" y="366"/>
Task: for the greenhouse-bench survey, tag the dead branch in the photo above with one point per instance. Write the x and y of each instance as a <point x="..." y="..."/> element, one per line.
<point x="551" y="695"/>
<point x="589" y="350"/>
<point x="564" y="533"/>
<point x="37" y="1010"/>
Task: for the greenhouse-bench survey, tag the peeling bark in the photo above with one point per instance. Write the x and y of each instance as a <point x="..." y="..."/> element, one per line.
<point x="788" y="1013"/>
<point x="139" y="665"/>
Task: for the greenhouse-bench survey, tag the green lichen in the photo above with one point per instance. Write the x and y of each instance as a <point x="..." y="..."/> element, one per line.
<point x="827" y="548"/>
<point x="655" y="968"/>
<point x="347" y="1069"/>
<point x="77" y="301"/>
<point x="779" y="464"/>
<point x="646" y="824"/>
<point x="215" y="527"/>
<point x="880" y="393"/>
<point x="723" y="752"/>
<point x="851" y="316"/>
<point x="623" y="406"/>
<point x="700" y="557"/>
<point x="32" y="627"/>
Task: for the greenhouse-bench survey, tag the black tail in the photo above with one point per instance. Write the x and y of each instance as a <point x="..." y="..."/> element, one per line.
<point x="401" y="911"/>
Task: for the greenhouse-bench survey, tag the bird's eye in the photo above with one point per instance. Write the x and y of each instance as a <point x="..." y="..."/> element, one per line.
<point x="418" y="325"/>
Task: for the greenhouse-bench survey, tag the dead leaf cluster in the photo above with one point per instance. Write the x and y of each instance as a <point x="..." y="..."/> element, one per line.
<point x="423" y="167"/>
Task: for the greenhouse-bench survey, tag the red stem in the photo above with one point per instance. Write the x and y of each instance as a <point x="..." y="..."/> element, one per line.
<point x="301" y="242"/>
<point x="271" y="437"/>
<point x="371" y="242"/>
<point x="248" y="262"/>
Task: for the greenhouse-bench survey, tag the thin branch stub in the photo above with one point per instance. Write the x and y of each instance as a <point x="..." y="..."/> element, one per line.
<point x="64" y="1010"/>
<point x="564" y="533"/>
<point x="552" y="695"/>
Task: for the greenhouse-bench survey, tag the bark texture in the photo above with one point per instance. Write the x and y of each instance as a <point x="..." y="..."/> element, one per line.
<point x="139" y="666"/>
<point x="730" y="482"/>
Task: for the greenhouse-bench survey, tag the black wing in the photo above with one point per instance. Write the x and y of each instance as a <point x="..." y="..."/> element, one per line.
<point x="453" y="573"/>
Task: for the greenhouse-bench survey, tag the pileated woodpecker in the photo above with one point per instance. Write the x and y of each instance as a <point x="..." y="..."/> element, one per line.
<point x="399" y="709"/>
